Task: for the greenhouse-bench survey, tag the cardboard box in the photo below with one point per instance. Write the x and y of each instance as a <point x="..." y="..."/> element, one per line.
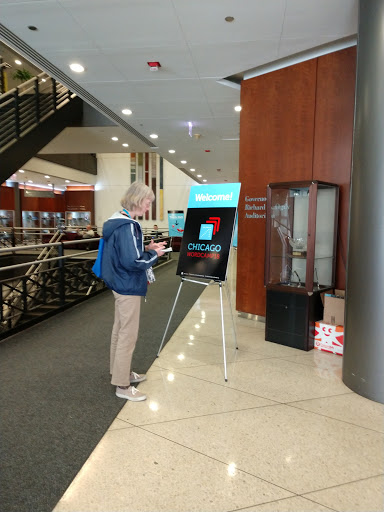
<point x="334" y="308"/>
<point x="329" y="338"/>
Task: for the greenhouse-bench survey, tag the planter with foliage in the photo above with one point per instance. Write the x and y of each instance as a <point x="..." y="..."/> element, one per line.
<point x="22" y="75"/>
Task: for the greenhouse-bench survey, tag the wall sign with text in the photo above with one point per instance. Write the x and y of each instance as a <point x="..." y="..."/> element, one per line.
<point x="175" y="222"/>
<point x="208" y="230"/>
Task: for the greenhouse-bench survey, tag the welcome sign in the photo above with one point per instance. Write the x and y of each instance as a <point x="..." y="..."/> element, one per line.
<point x="208" y="230"/>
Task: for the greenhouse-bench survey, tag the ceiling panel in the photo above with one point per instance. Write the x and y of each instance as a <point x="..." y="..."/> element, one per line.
<point x="254" y="19"/>
<point x="335" y="18"/>
<point x="226" y="59"/>
<point x="137" y="24"/>
<point x="57" y="29"/>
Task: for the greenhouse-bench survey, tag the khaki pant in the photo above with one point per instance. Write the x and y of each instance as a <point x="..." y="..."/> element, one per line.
<point x="124" y="337"/>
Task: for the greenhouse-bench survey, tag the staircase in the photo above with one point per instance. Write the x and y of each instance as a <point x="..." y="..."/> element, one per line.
<point x="31" y="115"/>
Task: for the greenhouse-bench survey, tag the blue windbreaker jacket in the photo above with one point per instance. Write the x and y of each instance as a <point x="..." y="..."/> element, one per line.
<point x="124" y="262"/>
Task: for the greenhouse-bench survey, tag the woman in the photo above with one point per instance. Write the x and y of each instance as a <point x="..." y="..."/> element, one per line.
<point x="124" y="271"/>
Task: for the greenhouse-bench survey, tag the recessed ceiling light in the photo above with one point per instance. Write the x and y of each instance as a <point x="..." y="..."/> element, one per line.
<point x="115" y="138"/>
<point x="47" y="177"/>
<point x="199" y="175"/>
<point x="238" y="108"/>
<point x="30" y="181"/>
<point x="193" y="170"/>
<point x="127" y="111"/>
<point x="67" y="181"/>
<point x="76" y="67"/>
<point x="183" y="161"/>
<point x="21" y="170"/>
<point x="18" y="62"/>
<point x="171" y="151"/>
<point x="154" y="136"/>
<point x="125" y="145"/>
<point x="204" y="181"/>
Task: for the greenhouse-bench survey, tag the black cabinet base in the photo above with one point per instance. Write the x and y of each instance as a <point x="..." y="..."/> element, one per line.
<point x="291" y="317"/>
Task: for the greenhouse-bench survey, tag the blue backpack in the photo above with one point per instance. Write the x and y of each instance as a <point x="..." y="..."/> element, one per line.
<point x="96" y="269"/>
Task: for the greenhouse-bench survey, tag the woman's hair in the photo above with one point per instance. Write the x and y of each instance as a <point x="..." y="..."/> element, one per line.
<point x="135" y="195"/>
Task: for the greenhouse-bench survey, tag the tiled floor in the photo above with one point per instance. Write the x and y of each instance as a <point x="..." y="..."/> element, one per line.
<point x="283" y="434"/>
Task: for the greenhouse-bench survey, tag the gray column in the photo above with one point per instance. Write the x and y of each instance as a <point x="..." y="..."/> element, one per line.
<point x="363" y="360"/>
<point x="15" y="185"/>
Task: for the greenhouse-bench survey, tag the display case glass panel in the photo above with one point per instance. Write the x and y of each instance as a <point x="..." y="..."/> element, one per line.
<point x="301" y="235"/>
<point x="7" y="218"/>
<point x="77" y="218"/>
<point x="30" y="219"/>
<point x="52" y="219"/>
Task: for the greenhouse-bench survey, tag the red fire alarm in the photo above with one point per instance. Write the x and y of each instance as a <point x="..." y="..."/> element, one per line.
<point x="154" y="66"/>
<point x="207" y="150"/>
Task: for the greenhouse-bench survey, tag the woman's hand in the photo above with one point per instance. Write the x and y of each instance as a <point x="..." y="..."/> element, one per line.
<point x="156" y="247"/>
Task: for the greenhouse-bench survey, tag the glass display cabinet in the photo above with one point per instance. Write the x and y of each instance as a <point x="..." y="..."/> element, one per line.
<point x="77" y="218"/>
<point x="301" y="237"/>
<point x="7" y="218"/>
<point x="52" y="219"/>
<point x="30" y="219"/>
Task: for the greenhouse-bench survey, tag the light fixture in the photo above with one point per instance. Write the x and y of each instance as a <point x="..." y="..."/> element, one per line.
<point x="183" y="161"/>
<point x="154" y="136"/>
<point x="192" y="170"/>
<point x="199" y="175"/>
<point x="204" y="181"/>
<point x="21" y="170"/>
<point x="67" y="181"/>
<point x="30" y="181"/>
<point x="125" y="145"/>
<point x="76" y="67"/>
<point x="171" y="151"/>
<point x="154" y="66"/>
<point x="46" y="176"/>
<point x="114" y="138"/>
<point x="229" y="19"/>
<point x="238" y="108"/>
<point x="126" y="111"/>
<point x="18" y="62"/>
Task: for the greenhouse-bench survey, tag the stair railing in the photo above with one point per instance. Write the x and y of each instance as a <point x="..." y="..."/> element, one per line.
<point x="24" y="290"/>
<point x="29" y="104"/>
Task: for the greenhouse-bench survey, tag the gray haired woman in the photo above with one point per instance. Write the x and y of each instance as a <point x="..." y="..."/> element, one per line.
<point x="124" y="269"/>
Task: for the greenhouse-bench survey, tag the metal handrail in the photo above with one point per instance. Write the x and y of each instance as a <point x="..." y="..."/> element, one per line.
<point x="56" y="258"/>
<point x="42" y="95"/>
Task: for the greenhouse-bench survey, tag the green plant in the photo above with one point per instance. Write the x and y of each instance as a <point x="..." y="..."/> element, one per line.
<point x="22" y="74"/>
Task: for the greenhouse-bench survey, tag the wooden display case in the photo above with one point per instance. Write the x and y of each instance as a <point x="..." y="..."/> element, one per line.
<point x="301" y="236"/>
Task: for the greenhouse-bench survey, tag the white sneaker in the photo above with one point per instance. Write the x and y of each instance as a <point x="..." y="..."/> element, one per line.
<point x="135" y="378"/>
<point x="131" y="393"/>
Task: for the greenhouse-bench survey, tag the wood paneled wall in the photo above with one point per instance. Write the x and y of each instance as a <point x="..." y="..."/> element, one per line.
<point x="42" y="204"/>
<point x="81" y="201"/>
<point x="296" y="124"/>
<point x="70" y="200"/>
<point x="7" y="198"/>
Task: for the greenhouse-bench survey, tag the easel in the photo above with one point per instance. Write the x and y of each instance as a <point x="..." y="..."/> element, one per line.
<point x="204" y="283"/>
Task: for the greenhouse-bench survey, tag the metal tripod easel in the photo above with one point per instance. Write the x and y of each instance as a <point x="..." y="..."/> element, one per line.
<point x="220" y="283"/>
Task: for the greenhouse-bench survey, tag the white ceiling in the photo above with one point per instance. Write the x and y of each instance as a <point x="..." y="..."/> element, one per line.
<point x="196" y="48"/>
